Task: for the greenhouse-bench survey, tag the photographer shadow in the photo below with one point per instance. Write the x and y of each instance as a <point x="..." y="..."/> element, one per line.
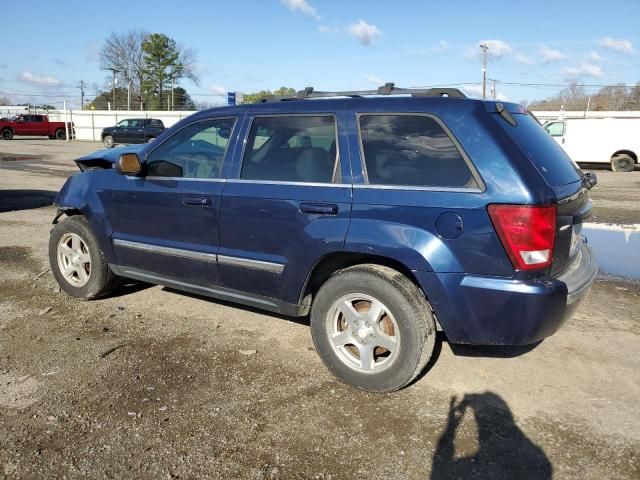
<point x="500" y="451"/>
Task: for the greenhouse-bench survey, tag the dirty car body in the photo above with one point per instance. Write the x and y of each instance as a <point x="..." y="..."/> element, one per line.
<point x="302" y="191"/>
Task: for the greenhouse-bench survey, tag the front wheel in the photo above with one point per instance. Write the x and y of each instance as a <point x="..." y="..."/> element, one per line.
<point x="372" y="328"/>
<point x="77" y="262"/>
<point x="7" y="134"/>
<point x="107" y="141"/>
<point x="60" y="135"/>
<point x="622" y="163"/>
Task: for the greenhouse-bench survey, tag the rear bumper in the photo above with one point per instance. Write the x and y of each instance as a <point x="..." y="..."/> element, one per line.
<point x="486" y="310"/>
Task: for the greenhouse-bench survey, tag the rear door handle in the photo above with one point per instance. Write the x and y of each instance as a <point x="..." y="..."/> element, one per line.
<point x="197" y="201"/>
<point x="319" y="208"/>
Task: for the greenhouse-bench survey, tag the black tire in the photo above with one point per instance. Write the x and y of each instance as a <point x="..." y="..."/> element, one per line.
<point x="107" y="141"/>
<point x="622" y="163"/>
<point x="60" y="134"/>
<point x="7" y="134"/>
<point x="150" y="139"/>
<point x="102" y="280"/>
<point x="412" y="317"/>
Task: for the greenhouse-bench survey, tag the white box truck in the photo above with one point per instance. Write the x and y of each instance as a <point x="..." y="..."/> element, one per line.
<point x="612" y="141"/>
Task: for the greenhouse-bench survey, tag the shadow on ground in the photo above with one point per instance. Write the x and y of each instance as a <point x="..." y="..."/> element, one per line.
<point x="11" y="200"/>
<point x="499" y="449"/>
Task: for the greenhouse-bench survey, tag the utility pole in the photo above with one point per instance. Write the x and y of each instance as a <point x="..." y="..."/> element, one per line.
<point x="484" y="48"/>
<point x="113" y="86"/>
<point x="82" y="85"/>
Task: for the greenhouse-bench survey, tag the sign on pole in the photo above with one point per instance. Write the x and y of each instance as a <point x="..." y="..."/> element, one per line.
<point x="231" y="98"/>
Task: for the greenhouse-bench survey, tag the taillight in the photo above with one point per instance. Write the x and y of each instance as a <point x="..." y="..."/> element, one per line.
<point x="527" y="233"/>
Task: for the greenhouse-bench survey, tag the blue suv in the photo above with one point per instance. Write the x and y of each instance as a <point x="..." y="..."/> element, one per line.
<point x="385" y="215"/>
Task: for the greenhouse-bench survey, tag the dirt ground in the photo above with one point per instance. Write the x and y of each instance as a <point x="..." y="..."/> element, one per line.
<point x="153" y="383"/>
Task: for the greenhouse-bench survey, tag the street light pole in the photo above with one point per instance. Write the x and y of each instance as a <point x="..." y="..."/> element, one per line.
<point x="113" y="86"/>
<point x="484" y="48"/>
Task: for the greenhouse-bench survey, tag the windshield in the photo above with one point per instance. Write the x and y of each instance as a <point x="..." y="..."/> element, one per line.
<point x="547" y="156"/>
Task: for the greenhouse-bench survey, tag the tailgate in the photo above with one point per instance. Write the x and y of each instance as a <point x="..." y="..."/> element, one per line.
<point x="560" y="173"/>
<point x="573" y="209"/>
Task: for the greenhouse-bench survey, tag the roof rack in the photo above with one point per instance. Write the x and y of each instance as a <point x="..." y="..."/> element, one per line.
<point x="386" y="89"/>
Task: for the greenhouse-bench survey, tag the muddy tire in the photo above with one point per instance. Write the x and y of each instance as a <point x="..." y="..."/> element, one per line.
<point x="622" y="163"/>
<point x="372" y="328"/>
<point x="7" y="134"/>
<point x="60" y="135"/>
<point x="107" y="141"/>
<point x="77" y="262"/>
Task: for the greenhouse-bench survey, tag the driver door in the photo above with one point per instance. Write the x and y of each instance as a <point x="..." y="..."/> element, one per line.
<point x="120" y="132"/>
<point x="165" y="223"/>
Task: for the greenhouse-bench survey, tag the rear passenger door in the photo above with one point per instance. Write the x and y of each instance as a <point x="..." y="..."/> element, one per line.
<point x="288" y="204"/>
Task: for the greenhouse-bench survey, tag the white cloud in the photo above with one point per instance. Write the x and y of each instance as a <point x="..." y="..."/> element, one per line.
<point x="328" y="30"/>
<point x="523" y="59"/>
<point x="375" y="80"/>
<point x="217" y="90"/>
<point x="364" y="32"/>
<point x="549" y="55"/>
<point x="584" y="70"/>
<point x="40" y="80"/>
<point x="497" y="48"/>
<point x="617" y="44"/>
<point x="440" y="45"/>
<point x="475" y="91"/>
<point x="301" y="6"/>
<point x="594" y="56"/>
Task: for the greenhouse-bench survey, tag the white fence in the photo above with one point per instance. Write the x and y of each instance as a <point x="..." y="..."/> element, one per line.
<point x="555" y="115"/>
<point x="89" y="123"/>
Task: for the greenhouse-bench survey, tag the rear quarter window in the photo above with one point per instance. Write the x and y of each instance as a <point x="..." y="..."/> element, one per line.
<point x="547" y="156"/>
<point x="412" y="150"/>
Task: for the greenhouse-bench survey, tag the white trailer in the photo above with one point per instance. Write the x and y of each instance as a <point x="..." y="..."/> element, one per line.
<point x="612" y="141"/>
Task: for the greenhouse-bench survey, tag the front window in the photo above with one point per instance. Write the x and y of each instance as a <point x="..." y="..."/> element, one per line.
<point x="123" y="124"/>
<point x="293" y="148"/>
<point x="196" y="151"/>
<point x="412" y="150"/>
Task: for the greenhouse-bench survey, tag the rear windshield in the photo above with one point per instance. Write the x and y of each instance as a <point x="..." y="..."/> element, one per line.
<point x="549" y="158"/>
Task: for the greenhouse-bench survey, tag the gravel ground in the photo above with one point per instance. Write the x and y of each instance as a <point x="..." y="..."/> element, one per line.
<point x="153" y="383"/>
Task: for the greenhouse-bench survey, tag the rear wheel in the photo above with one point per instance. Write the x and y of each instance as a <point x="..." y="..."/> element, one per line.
<point x="77" y="262"/>
<point x="372" y="327"/>
<point x="7" y="134"/>
<point x="622" y="163"/>
<point x="60" y="134"/>
<point x="150" y="139"/>
<point x="107" y="141"/>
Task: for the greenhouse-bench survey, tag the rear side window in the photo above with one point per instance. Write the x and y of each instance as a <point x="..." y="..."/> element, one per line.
<point x="156" y="123"/>
<point x="412" y="150"/>
<point x="291" y="148"/>
<point x="546" y="155"/>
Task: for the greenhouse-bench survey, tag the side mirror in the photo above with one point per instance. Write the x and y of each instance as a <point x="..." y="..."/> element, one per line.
<point x="128" y="164"/>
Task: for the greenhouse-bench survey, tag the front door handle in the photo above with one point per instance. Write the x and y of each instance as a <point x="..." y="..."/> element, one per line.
<point x="319" y="208"/>
<point x="197" y="201"/>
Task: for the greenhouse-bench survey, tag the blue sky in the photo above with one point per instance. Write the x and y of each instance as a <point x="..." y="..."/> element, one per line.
<point x="252" y="45"/>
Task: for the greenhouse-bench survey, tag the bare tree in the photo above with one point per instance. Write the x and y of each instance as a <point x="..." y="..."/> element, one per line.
<point x="123" y="52"/>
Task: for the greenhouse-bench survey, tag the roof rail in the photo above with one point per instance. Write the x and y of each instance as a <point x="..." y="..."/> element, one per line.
<point x="386" y="89"/>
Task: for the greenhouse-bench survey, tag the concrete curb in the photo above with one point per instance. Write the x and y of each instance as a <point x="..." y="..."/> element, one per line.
<point x="617" y="247"/>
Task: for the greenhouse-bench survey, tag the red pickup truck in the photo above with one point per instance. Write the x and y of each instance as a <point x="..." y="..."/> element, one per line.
<point x="33" y="125"/>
